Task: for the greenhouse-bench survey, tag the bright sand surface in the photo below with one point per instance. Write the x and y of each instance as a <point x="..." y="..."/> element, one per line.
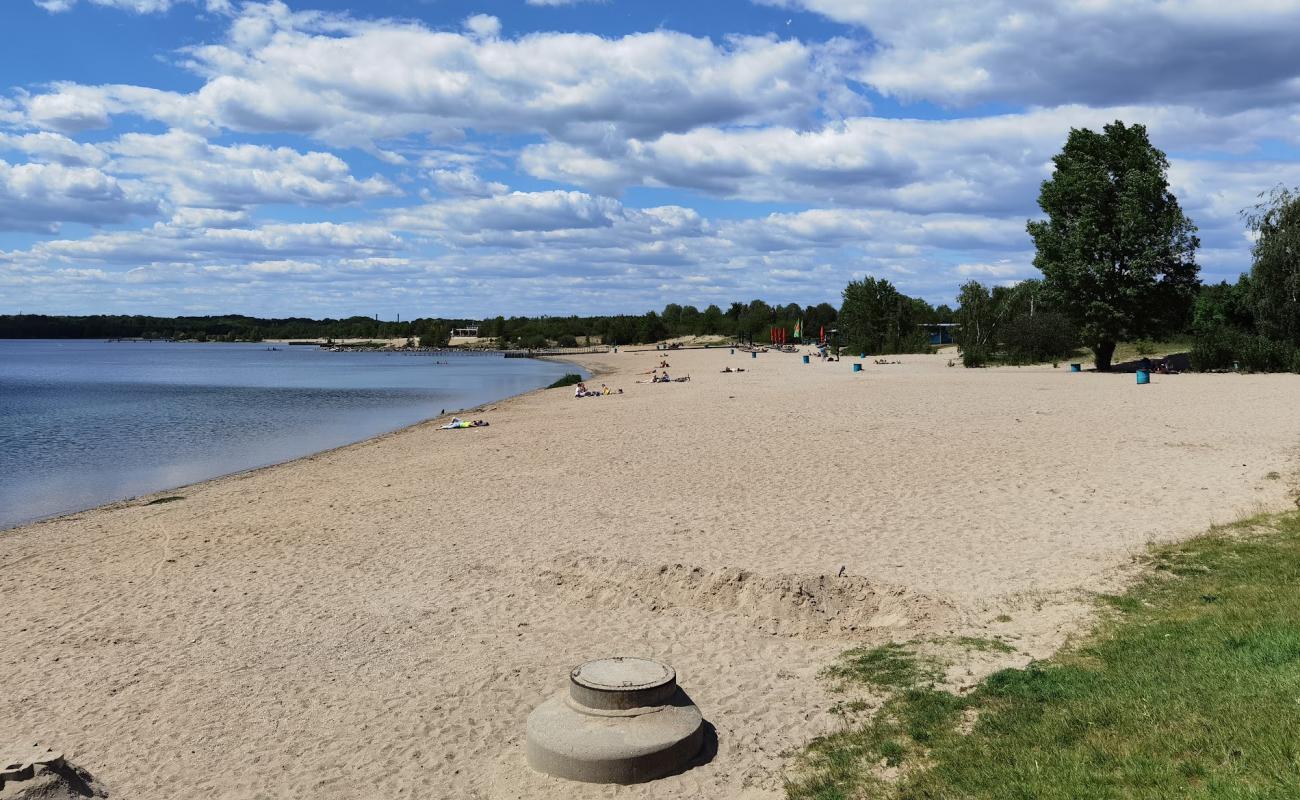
<point x="377" y="621"/>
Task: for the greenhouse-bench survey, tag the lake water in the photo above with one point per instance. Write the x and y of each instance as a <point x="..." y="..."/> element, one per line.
<point x="84" y="423"/>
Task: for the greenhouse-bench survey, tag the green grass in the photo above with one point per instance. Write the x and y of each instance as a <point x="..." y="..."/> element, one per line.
<point x="983" y="645"/>
<point x="1132" y="351"/>
<point x="567" y="380"/>
<point x="890" y="667"/>
<point x="1189" y="688"/>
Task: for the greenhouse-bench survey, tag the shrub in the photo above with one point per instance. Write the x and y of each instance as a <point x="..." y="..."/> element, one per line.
<point x="1220" y="347"/>
<point x="973" y="358"/>
<point x="567" y="380"/>
<point x="1032" y="340"/>
<point x="567" y="341"/>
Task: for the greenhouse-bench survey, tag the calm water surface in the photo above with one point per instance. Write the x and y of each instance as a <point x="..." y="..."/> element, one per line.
<point x="84" y="423"/>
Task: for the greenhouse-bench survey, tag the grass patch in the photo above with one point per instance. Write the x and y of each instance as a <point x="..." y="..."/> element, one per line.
<point x="169" y="499"/>
<point x="1189" y="688"/>
<point x="568" y="380"/>
<point x="890" y="667"/>
<point x="982" y="645"/>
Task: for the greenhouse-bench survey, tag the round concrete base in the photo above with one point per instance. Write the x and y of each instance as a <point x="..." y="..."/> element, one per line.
<point x="574" y="744"/>
<point x="622" y="720"/>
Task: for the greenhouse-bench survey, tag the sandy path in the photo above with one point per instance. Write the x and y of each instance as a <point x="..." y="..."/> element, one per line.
<point x="377" y="621"/>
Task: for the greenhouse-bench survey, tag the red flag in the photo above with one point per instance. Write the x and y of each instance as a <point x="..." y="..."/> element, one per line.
<point x="823" y="336"/>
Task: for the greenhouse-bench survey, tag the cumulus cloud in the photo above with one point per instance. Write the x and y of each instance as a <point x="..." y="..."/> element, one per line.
<point x="1095" y="52"/>
<point x="990" y="164"/>
<point x="353" y="82"/>
<point x="171" y="243"/>
<point x="464" y="181"/>
<point x="198" y="173"/>
<point x="39" y="197"/>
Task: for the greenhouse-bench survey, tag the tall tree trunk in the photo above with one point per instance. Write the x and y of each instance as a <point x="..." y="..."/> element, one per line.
<point x="1102" y="353"/>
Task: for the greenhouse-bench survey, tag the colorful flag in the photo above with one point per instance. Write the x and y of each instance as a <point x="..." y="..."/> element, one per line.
<point x="797" y="327"/>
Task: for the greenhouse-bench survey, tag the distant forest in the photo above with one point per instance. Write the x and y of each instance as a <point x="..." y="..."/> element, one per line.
<point x="747" y="321"/>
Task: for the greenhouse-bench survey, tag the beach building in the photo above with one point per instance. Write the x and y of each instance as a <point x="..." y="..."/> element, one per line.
<point x="941" y="332"/>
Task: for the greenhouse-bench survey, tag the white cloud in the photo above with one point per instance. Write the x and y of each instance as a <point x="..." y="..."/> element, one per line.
<point x="171" y="243"/>
<point x="39" y="197"/>
<point x="197" y="173"/>
<point x="483" y="26"/>
<point x="135" y="6"/>
<point x="53" y="147"/>
<point x="351" y="82"/>
<point x="1098" y="52"/>
<point x="465" y="181"/>
<point x="988" y="165"/>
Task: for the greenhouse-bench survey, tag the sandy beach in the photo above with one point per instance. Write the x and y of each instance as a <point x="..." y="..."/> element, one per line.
<point x="378" y="620"/>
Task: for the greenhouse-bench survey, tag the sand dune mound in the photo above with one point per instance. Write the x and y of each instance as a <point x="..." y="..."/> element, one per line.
<point x="806" y="606"/>
<point x="32" y="772"/>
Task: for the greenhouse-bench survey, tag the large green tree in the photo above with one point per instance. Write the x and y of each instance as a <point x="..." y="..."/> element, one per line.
<point x="1274" y="285"/>
<point x="1116" y="249"/>
<point x="877" y="318"/>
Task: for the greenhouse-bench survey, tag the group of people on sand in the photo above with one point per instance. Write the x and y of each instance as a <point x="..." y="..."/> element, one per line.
<point x="662" y="377"/>
<point x="581" y="390"/>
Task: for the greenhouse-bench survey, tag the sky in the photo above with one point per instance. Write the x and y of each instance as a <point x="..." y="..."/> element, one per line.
<point x="466" y="159"/>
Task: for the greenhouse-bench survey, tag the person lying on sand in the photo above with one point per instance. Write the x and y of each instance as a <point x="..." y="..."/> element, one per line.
<point x="457" y="422"/>
<point x="737" y="369"/>
<point x="663" y="365"/>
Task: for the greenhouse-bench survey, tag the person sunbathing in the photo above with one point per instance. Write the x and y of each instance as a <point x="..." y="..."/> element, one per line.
<point x="457" y="422"/>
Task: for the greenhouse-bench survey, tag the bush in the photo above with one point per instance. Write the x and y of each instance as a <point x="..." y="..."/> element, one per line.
<point x="973" y="358"/>
<point x="567" y="341"/>
<point x="567" y="380"/>
<point x="1214" y="348"/>
<point x="1042" y="337"/>
<point x="1220" y="347"/>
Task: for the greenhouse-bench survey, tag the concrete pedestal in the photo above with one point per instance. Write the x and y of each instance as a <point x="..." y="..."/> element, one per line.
<point x="622" y="720"/>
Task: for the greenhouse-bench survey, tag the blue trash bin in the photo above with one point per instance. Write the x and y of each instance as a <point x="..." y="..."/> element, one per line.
<point x="857" y="367"/>
<point x="805" y="359"/>
<point x="753" y="354"/>
<point x="1076" y="368"/>
<point x="1143" y="377"/>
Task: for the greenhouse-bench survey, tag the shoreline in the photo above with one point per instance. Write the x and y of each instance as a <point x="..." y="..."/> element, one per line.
<point x="133" y="500"/>
<point x="366" y="618"/>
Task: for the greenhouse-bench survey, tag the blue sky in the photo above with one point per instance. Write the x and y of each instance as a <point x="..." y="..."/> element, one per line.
<point x="455" y="158"/>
